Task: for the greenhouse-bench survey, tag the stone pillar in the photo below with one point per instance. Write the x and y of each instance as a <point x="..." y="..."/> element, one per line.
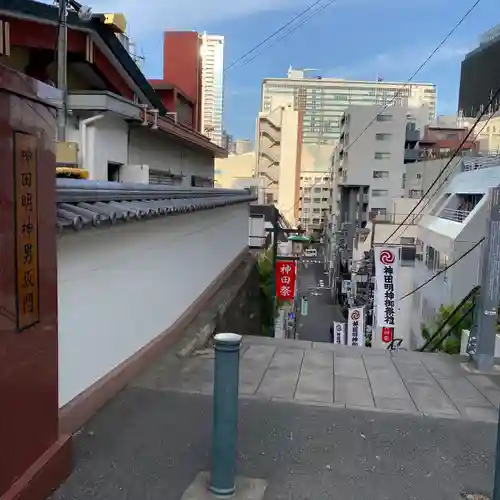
<point x="34" y="458"/>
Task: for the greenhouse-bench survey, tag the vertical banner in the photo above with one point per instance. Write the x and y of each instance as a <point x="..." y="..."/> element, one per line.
<point x="339" y="333"/>
<point x="356" y="327"/>
<point x="285" y="279"/>
<point x="386" y="293"/>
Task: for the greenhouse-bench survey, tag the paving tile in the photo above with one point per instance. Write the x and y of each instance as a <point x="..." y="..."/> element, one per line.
<point x="380" y="362"/>
<point x="349" y="367"/>
<point x="316" y="377"/>
<point x="353" y="392"/>
<point x="253" y="366"/>
<point x="386" y="384"/>
<point x="281" y="377"/>
<point x="384" y="379"/>
<point x="271" y="341"/>
<point x="483" y="414"/>
<point x="396" y="404"/>
<point x="487" y="387"/>
<point x="431" y="399"/>
<point x="442" y="367"/>
<point x="414" y="371"/>
<point x="463" y="393"/>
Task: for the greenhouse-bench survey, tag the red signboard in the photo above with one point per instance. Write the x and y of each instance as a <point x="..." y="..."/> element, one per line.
<point x="285" y="279"/>
<point x="387" y="334"/>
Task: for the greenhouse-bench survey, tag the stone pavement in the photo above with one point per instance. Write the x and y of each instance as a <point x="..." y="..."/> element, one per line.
<point x="306" y="426"/>
<point x="430" y="385"/>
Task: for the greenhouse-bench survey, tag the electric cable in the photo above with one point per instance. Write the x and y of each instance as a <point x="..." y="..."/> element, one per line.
<point x="438" y="189"/>
<point x="414" y="74"/>
<point x="443" y="170"/>
<point x="292" y="30"/>
<point x="441" y="271"/>
<point x="273" y="34"/>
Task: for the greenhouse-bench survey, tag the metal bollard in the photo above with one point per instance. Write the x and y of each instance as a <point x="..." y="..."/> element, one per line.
<point x="225" y="413"/>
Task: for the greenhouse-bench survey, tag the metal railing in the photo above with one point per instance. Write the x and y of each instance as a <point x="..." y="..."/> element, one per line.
<point x="454" y="215"/>
<point x="480" y="162"/>
<point x="392" y="218"/>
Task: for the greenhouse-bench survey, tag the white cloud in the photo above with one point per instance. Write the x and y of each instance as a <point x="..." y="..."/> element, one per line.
<point x="159" y="15"/>
<point x="405" y="60"/>
<point x="146" y="16"/>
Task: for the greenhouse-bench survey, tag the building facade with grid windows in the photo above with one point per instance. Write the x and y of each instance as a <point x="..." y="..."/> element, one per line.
<point x="324" y="100"/>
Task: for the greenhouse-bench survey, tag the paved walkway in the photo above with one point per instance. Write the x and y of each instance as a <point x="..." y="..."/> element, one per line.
<point x="306" y="426"/>
<point x="430" y="385"/>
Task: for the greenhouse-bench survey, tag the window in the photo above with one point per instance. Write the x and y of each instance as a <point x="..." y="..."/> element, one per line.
<point x="418" y="176"/>
<point x="376" y="193"/>
<point x="315" y="210"/>
<point x="317" y="190"/>
<point x="404" y="240"/>
<point x="307" y="200"/>
<point x="380" y="174"/>
<point x="408" y="255"/>
<point x="384" y="118"/>
<point x="403" y="181"/>
<point x="316" y="200"/>
<point x="382" y="156"/>
<point x="379" y="211"/>
<point x="383" y="137"/>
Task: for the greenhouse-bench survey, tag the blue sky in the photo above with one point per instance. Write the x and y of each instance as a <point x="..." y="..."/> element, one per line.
<point x="350" y="39"/>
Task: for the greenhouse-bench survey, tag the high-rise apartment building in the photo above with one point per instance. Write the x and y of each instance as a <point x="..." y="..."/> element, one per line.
<point x="480" y="76"/>
<point x="324" y="100"/>
<point x="212" y="75"/>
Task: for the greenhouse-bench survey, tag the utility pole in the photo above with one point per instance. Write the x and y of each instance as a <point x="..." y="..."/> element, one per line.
<point x="275" y="258"/>
<point x="483" y="335"/>
<point x="62" y="69"/>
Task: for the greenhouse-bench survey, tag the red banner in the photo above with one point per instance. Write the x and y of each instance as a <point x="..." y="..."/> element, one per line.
<point x="387" y="334"/>
<point x="285" y="279"/>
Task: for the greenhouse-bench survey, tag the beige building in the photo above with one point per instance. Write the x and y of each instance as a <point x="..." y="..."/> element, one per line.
<point x="315" y="185"/>
<point x="278" y="145"/>
<point x="488" y="131"/>
<point x="235" y="171"/>
<point x="296" y="176"/>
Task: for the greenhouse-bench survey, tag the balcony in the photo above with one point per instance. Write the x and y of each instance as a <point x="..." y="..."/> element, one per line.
<point x="412" y="155"/>
<point x="391" y="218"/>
<point x="412" y="135"/>
<point x="454" y="215"/>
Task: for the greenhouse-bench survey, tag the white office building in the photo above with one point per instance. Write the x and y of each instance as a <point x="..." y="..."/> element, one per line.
<point x="324" y="100"/>
<point x="212" y="73"/>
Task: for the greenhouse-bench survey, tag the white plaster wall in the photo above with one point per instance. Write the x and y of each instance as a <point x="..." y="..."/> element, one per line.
<point x="120" y="287"/>
<point x="155" y="149"/>
<point x="108" y="141"/>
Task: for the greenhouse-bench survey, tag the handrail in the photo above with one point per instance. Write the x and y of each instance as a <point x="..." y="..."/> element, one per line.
<point x="445" y="322"/>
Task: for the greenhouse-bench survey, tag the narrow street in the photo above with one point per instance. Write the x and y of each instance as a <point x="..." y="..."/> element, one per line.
<point x="322" y="311"/>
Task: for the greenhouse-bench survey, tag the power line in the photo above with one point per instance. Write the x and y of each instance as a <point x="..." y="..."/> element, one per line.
<point x="443" y="270"/>
<point x="292" y="29"/>
<point x="417" y="71"/>
<point x="431" y="197"/>
<point x="443" y="170"/>
<point x="273" y="34"/>
<point x="414" y="74"/>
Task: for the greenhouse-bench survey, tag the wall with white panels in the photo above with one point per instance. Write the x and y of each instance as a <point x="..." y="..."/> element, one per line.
<point x="122" y="286"/>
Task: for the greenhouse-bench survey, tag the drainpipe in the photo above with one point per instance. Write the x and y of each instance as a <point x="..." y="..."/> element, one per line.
<point x="83" y="140"/>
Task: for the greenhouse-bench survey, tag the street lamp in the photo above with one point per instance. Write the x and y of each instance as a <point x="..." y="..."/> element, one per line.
<point x="299" y="242"/>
